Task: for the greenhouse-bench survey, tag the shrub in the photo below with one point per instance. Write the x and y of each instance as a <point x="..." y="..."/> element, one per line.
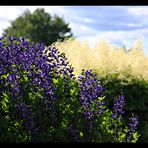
<point x="103" y="122"/>
<point x="42" y="101"/>
<point x="28" y="93"/>
<point x="118" y="69"/>
<point x="136" y="91"/>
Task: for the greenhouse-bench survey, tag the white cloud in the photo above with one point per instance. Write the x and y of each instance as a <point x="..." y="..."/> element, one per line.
<point x="88" y="20"/>
<point x="82" y="30"/>
<point x="118" y="38"/>
<point x="138" y="11"/>
<point x="7" y="14"/>
<point x="83" y="19"/>
<point x="3" y="24"/>
<point x="10" y="12"/>
<point x="134" y="25"/>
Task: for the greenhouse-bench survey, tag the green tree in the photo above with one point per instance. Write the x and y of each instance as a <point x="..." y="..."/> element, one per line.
<point x="39" y="26"/>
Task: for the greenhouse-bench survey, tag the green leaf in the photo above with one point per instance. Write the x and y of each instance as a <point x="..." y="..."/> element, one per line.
<point x="5" y="99"/>
<point x="126" y="129"/>
<point x="5" y="95"/>
<point x="72" y="91"/>
<point x="64" y="123"/>
<point x="67" y="106"/>
<point x="123" y="136"/>
<point x="3" y="76"/>
<point x="37" y="94"/>
<point x="135" y="135"/>
<point x="133" y="141"/>
<point x="25" y="78"/>
<point x="55" y="81"/>
<point x="81" y="134"/>
<point x="103" y="122"/>
<point x="4" y="106"/>
<point x="110" y="131"/>
<point x="100" y="98"/>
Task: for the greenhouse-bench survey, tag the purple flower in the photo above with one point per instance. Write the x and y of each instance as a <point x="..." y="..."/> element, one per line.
<point x="90" y="90"/>
<point x="133" y="127"/>
<point x="118" y="108"/>
<point x="11" y="38"/>
<point x="26" y="73"/>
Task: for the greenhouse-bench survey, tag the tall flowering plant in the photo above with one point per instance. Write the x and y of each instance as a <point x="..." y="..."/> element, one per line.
<point x="29" y="94"/>
<point x="41" y="100"/>
<point x="90" y="90"/>
<point x="103" y="124"/>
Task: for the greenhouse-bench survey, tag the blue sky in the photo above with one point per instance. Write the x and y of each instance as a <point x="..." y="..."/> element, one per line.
<point x="120" y="25"/>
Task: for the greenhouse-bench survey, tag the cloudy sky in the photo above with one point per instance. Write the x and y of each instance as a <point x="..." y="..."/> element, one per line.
<point x="120" y="25"/>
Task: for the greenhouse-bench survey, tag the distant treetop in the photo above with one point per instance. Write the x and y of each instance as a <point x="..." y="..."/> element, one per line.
<point x="39" y="26"/>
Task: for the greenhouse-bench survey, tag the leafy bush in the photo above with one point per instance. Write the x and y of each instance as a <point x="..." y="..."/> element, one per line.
<point x="42" y="101"/>
<point x="136" y="91"/>
<point x="119" y="70"/>
<point x="28" y="99"/>
<point x="105" y="123"/>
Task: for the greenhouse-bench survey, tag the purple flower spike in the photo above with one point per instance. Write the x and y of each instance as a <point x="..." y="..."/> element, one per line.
<point x="133" y="127"/>
<point x="90" y="90"/>
<point x="118" y="109"/>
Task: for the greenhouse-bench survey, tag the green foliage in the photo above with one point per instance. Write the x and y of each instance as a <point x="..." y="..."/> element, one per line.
<point x="37" y="114"/>
<point x="68" y="111"/>
<point x="11" y="127"/>
<point x="66" y="105"/>
<point x="39" y="26"/>
<point x="136" y="93"/>
<point x="4" y="102"/>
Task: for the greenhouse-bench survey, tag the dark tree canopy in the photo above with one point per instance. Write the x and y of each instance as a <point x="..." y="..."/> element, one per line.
<point x="39" y="26"/>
